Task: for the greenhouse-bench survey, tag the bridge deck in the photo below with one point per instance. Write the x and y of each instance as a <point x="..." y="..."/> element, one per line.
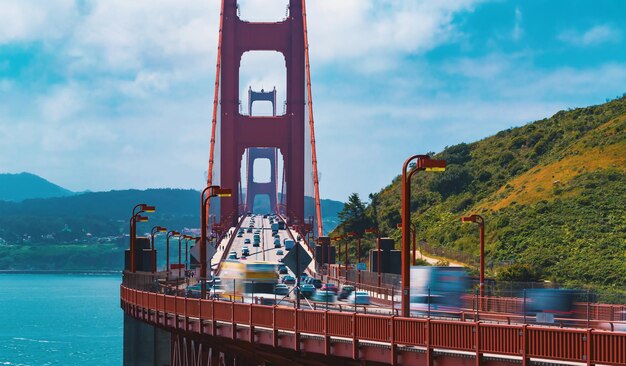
<point x="370" y="337"/>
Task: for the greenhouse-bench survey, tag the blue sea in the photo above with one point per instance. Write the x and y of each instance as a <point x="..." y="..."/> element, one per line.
<point x="60" y="319"/>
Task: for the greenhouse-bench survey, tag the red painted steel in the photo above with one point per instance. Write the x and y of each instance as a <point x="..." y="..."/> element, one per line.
<point x="181" y="304"/>
<point x="223" y="310"/>
<point x="561" y="344"/>
<point x="318" y="206"/>
<point x="241" y="313"/>
<point x="310" y="321"/>
<point x="492" y="336"/>
<point x="373" y="327"/>
<point x="339" y="324"/>
<point x="285" y="318"/>
<point x="239" y="132"/>
<point x="253" y="188"/>
<point x="587" y="346"/>
<point x="206" y="309"/>
<point x="216" y="97"/>
<point x="169" y="305"/>
<point x="409" y="331"/>
<point x="452" y="335"/>
<point x="193" y="308"/>
<point x="262" y="316"/>
<point x="601" y="342"/>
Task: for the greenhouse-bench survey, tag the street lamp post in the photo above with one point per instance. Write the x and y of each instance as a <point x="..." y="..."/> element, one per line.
<point x="142" y="207"/>
<point x="377" y="232"/>
<point x="422" y="162"/>
<point x="214" y="191"/>
<point x="328" y="261"/>
<point x="321" y="244"/>
<point x="413" y="238"/>
<point x="481" y="228"/>
<point x="169" y="234"/>
<point x="156" y="229"/>
<point x="180" y="262"/>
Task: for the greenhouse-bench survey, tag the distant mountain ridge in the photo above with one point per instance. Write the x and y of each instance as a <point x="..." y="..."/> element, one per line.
<point x="22" y="186"/>
<point x="79" y="217"/>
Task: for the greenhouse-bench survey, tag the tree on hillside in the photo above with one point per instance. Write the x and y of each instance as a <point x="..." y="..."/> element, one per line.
<point x="374" y="205"/>
<point x="353" y="215"/>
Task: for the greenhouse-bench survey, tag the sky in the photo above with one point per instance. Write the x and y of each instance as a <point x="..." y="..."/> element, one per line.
<point x="115" y="94"/>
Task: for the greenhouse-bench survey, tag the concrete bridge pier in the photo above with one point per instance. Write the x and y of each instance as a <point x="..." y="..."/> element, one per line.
<point x="145" y="344"/>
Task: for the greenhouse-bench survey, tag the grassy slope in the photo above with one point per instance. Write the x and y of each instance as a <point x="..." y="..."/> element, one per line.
<point x="552" y="193"/>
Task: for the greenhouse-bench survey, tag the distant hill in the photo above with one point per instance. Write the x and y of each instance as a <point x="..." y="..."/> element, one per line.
<point x="18" y="187"/>
<point x="552" y="192"/>
<point x="104" y="214"/>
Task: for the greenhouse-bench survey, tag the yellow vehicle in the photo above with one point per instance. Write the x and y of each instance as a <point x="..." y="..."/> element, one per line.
<point x="248" y="278"/>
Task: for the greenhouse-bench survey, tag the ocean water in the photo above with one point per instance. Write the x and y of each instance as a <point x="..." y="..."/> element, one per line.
<point x="60" y="319"/>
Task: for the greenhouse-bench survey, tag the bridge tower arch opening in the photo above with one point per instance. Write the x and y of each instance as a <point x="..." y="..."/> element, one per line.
<point x="263" y="10"/>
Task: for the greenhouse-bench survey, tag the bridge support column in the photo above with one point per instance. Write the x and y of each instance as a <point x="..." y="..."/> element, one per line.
<point x="145" y="344"/>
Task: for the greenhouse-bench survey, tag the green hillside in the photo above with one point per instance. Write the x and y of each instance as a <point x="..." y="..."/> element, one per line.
<point x="18" y="187"/>
<point x="552" y="192"/>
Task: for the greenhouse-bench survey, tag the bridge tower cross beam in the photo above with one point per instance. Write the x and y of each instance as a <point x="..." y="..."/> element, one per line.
<point x="254" y="189"/>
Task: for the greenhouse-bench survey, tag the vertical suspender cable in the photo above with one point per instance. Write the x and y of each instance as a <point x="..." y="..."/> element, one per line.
<point x="318" y="208"/>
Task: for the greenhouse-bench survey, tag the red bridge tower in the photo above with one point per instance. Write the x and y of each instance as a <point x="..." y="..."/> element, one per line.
<point x="239" y="132"/>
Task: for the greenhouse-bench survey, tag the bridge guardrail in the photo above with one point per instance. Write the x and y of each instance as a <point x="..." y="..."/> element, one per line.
<point x="572" y="345"/>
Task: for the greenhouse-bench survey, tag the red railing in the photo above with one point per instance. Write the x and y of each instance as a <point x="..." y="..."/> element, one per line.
<point x="551" y="343"/>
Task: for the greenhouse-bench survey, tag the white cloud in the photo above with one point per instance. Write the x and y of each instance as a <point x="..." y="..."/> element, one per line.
<point x="124" y="36"/>
<point x="62" y="103"/>
<point x="487" y="67"/>
<point x="380" y="29"/>
<point x="135" y="105"/>
<point x="593" y="36"/>
<point x="32" y="20"/>
<point x="5" y="85"/>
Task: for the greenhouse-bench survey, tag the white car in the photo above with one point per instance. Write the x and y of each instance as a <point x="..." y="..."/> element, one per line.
<point x="359" y="298"/>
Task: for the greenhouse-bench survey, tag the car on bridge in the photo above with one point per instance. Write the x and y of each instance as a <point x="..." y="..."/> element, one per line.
<point x="330" y="287"/>
<point x="282" y="269"/>
<point x="276" y="243"/>
<point x="281" y="289"/>
<point x="247" y="241"/>
<point x="307" y="290"/>
<point x="345" y="292"/>
<point x="324" y="296"/>
<point x="359" y="298"/>
<point x="279" y="252"/>
<point x="245" y="251"/>
<point x="240" y="234"/>
<point x="288" y="280"/>
<point x="314" y="281"/>
<point x="232" y="255"/>
<point x="249" y="230"/>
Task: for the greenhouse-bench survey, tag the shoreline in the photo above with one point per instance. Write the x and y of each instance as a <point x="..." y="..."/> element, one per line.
<point x="53" y="271"/>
